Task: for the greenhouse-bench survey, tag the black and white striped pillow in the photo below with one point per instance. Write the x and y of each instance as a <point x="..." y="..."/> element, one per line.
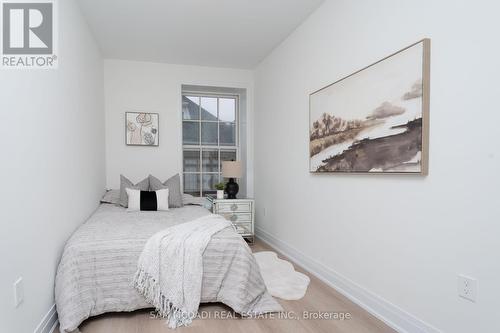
<point x="147" y="200"/>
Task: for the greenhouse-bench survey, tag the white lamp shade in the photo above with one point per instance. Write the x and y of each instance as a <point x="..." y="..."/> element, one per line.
<point x="232" y="169"/>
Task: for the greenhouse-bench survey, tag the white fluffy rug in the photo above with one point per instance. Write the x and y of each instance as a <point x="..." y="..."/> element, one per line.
<point x="280" y="277"/>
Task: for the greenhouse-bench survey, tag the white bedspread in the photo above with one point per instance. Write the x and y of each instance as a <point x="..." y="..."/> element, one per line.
<point x="170" y="268"/>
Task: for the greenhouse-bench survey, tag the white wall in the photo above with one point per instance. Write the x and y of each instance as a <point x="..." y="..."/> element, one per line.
<point x="52" y="166"/>
<point x="155" y="87"/>
<point x="402" y="238"/>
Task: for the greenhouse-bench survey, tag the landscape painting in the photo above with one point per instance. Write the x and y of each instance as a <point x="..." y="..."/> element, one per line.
<point x="141" y="129"/>
<point x="375" y="120"/>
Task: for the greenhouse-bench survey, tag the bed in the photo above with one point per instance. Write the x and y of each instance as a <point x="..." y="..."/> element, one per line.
<point x="99" y="261"/>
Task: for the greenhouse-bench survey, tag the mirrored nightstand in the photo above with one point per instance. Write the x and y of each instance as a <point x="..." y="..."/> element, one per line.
<point x="239" y="211"/>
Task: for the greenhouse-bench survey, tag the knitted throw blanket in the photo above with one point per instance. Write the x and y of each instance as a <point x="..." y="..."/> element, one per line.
<point x="170" y="268"/>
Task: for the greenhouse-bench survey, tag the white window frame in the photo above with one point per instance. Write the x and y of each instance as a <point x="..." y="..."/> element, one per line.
<point x="217" y="147"/>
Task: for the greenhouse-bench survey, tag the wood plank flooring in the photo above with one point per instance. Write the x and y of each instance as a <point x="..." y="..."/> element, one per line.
<point x="319" y="298"/>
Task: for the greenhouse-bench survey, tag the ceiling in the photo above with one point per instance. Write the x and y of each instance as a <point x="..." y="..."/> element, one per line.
<point x="220" y="33"/>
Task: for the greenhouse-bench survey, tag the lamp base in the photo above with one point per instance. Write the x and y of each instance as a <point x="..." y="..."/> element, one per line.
<point x="232" y="189"/>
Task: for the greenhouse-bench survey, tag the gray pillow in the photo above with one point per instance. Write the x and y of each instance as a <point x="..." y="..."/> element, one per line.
<point x="111" y="197"/>
<point x="174" y="189"/>
<point x="143" y="185"/>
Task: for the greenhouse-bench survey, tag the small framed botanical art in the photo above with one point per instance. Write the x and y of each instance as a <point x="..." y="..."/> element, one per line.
<point x="141" y="129"/>
<point x="375" y="120"/>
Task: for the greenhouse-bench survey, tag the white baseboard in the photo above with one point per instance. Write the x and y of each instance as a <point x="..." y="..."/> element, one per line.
<point x="389" y="313"/>
<point x="49" y="322"/>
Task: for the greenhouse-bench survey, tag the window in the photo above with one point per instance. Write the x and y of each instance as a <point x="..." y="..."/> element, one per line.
<point x="209" y="136"/>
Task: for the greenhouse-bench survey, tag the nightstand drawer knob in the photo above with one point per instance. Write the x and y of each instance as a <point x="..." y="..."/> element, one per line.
<point x="234" y="207"/>
<point x="233" y="218"/>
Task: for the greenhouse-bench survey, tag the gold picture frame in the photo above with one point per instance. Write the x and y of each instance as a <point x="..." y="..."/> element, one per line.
<point x="375" y="120"/>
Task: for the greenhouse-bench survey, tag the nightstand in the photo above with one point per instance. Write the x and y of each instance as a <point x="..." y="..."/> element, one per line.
<point x="240" y="212"/>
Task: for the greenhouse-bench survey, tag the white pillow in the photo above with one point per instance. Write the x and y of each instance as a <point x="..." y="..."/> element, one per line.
<point x="147" y="200"/>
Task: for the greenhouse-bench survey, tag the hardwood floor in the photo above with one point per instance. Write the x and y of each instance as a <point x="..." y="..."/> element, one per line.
<point x="319" y="298"/>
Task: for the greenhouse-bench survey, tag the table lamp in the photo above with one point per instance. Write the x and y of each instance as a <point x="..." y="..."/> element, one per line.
<point x="232" y="170"/>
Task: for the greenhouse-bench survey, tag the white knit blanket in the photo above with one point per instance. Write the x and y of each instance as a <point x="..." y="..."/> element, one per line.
<point x="170" y="268"/>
